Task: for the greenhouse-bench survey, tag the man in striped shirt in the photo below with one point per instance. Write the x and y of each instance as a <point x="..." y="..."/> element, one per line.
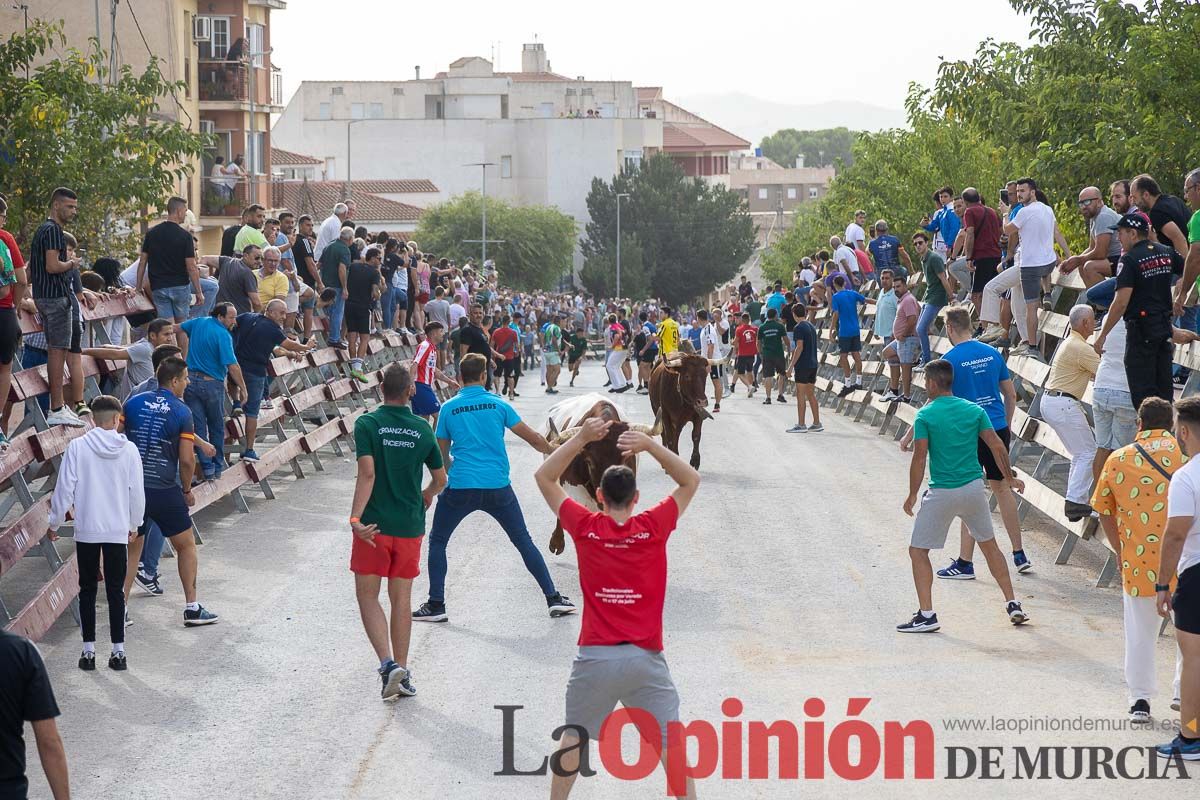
<point x="51" y="276"/>
<point x="425" y="402"/>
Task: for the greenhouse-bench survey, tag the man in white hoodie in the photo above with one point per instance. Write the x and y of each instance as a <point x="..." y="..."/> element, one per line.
<point x="101" y="478"/>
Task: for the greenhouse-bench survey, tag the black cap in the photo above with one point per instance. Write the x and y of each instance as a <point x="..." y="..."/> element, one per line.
<point x="1134" y="220"/>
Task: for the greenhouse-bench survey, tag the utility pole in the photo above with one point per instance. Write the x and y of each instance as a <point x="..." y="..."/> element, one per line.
<point x="484" y="240"/>
<point x="619" y="196"/>
<point x="349" y="186"/>
<point x="24" y="7"/>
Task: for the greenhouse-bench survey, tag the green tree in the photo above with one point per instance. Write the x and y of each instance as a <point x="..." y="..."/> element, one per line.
<point x="822" y="148"/>
<point x="599" y="273"/>
<point x="72" y="123"/>
<point x="538" y="241"/>
<point x="693" y="236"/>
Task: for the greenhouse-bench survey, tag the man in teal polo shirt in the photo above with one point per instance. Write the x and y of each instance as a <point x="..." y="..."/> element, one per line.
<point x="470" y="432"/>
<point x="946" y="432"/>
<point x="387" y="517"/>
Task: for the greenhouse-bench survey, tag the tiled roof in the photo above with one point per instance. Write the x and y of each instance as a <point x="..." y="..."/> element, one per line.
<point x="645" y="94"/>
<point x="684" y="137"/>
<point x="289" y="158"/>
<point x="318" y="197"/>
<point x="402" y="186"/>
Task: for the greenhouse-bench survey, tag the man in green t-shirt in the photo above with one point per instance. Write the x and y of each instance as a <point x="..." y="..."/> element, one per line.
<point x="335" y="274"/>
<point x="552" y="342"/>
<point x="939" y="285"/>
<point x="387" y="517"/>
<point x="577" y="343"/>
<point x="754" y="309"/>
<point x="772" y="339"/>
<point x="947" y="432"/>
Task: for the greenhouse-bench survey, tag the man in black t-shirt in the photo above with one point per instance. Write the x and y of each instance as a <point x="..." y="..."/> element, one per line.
<point x="362" y="287"/>
<point x="169" y="255"/>
<point x="1144" y="276"/>
<point x="304" y="251"/>
<point x="473" y="339"/>
<point x="26" y="696"/>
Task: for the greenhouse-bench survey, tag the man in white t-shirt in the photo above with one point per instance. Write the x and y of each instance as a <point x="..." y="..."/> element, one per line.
<point x="845" y="260"/>
<point x="1181" y="555"/>
<point x="713" y="347"/>
<point x="855" y="234"/>
<point x="331" y="228"/>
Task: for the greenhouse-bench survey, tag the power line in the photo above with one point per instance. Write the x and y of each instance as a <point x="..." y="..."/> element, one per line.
<point x="150" y="52"/>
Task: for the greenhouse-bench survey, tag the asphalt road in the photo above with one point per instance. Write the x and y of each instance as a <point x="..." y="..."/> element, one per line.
<point x="787" y="577"/>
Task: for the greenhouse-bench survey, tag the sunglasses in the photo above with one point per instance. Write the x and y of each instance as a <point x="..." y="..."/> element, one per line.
<point x="1088" y="202"/>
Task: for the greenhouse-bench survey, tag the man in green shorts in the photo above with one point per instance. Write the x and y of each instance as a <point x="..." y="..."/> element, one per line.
<point x="772" y="337"/>
<point x="946" y="432"/>
<point x="552" y="342"/>
<point x="577" y="343"/>
<point x="387" y="518"/>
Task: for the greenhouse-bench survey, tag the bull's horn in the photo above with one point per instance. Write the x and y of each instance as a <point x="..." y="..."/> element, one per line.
<point x="567" y="434"/>
<point x="553" y="434"/>
<point x="702" y="411"/>
<point x="650" y="430"/>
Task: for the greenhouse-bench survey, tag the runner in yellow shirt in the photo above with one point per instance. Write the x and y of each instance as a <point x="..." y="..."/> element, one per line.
<point x="668" y="333"/>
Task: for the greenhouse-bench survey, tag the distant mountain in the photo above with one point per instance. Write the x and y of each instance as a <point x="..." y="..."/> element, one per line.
<point x="753" y="118"/>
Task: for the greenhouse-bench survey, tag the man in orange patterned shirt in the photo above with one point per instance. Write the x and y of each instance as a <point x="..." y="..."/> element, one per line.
<point x="1131" y="498"/>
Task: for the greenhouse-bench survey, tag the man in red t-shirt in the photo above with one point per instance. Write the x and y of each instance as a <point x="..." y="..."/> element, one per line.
<point x="623" y="575"/>
<point x="13" y="287"/>
<point x="507" y="345"/>
<point x="747" y="349"/>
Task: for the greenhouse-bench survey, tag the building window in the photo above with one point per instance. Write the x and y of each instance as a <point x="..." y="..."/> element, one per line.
<point x="397" y="90"/>
<point x="505" y="166"/>
<point x="255" y="38"/>
<point x="633" y="160"/>
<point x="791" y="193"/>
<point x="762" y="193"/>
<point x="376" y="111"/>
<point x="337" y="90"/>
<point x="356" y="111"/>
<point x="812" y="193"/>
<point x="326" y="111"/>
<point x="276" y="88"/>
<point x="255" y="162"/>
<point x="217" y="47"/>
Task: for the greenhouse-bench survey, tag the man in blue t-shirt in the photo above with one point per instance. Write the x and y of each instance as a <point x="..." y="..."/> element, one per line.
<point x="160" y="425"/>
<point x="470" y="432"/>
<point x="210" y="358"/>
<point x="981" y="376"/>
<point x="888" y="252"/>
<point x="845" y="305"/>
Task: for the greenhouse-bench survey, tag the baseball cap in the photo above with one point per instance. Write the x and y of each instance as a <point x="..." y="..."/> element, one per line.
<point x="1133" y="220"/>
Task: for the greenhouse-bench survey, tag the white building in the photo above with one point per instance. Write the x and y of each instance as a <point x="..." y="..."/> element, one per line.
<point x="548" y="135"/>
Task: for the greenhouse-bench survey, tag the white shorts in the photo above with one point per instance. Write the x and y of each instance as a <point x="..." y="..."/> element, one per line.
<point x="293" y="302"/>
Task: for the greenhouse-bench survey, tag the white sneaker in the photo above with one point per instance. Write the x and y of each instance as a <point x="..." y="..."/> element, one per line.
<point x="65" y="416"/>
<point x="993" y="333"/>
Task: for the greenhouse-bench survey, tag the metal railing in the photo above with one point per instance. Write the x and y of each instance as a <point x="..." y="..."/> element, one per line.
<point x="224" y="80"/>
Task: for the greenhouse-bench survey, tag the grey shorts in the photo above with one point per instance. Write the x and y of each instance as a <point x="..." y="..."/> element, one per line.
<point x="938" y="509"/>
<point x="601" y="677"/>
<point x="60" y="322"/>
<point x="907" y="349"/>
<point x="1031" y="281"/>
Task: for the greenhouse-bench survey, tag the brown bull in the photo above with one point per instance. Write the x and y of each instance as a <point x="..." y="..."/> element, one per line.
<point x="586" y="470"/>
<point x="678" y="396"/>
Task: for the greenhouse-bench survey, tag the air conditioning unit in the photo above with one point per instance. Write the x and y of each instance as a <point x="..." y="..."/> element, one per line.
<point x="208" y="126"/>
<point x="201" y="29"/>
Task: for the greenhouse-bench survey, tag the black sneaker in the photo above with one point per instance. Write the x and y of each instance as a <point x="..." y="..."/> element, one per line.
<point x="431" y="612"/>
<point x="201" y="616"/>
<point x="87" y="661"/>
<point x="396" y="682"/>
<point x="559" y="605"/>
<point x="781" y="399"/>
<point x="148" y="583"/>
<point x="1016" y="615"/>
<point x="847" y="389"/>
<point x="1140" y="712"/>
<point x="767" y="402"/>
<point x="118" y="662"/>
<point x="920" y="624"/>
<point x="1076" y="511"/>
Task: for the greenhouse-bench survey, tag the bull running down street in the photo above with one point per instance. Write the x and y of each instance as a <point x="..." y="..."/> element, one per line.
<point x="776" y="596"/>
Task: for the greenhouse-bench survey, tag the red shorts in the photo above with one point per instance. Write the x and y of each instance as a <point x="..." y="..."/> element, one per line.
<point x="391" y="557"/>
<point x="423" y="297"/>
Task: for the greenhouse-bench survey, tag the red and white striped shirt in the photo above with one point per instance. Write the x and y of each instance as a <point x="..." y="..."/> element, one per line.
<point x="426" y="362"/>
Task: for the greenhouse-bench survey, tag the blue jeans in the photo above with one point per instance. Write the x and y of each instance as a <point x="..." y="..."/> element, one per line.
<point x="35" y="357"/>
<point x="387" y="300"/>
<point x="929" y="313"/>
<point x="206" y="399"/>
<point x="336" y="312"/>
<point x="151" y="550"/>
<point x="173" y="303"/>
<point x="1102" y="294"/>
<point x="210" y="287"/>
<point x="455" y="505"/>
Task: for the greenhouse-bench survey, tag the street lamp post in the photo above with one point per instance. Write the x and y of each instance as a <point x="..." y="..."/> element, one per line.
<point x="619" y="196"/>
<point x="483" y="240"/>
<point x="349" y="182"/>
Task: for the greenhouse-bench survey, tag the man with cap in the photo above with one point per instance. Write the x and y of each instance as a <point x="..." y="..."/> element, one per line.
<point x="1144" y="277"/>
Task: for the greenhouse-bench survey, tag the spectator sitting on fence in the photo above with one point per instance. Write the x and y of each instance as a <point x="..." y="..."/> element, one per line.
<point x="139" y="355"/>
<point x="100" y="483"/>
<point x="260" y="337"/>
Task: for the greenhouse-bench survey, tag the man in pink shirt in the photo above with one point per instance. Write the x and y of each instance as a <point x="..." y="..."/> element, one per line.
<point x="902" y="352"/>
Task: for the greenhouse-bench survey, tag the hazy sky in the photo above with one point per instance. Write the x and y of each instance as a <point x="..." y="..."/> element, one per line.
<point x="798" y="51"/>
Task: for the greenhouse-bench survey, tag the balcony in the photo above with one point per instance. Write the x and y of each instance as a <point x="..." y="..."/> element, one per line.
<point x="224" y="81"/>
